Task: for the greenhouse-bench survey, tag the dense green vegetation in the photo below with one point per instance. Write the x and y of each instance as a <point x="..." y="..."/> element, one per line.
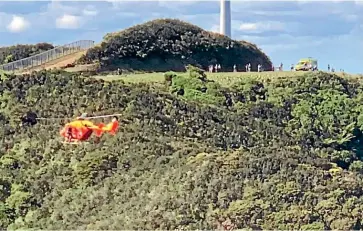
<point x="261" y="154"/>
<point x="168" y="44"/>
<point x="17" y="52"/>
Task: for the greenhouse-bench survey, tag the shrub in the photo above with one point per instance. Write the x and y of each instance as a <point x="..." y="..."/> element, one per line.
<point x="168" y="76"/>
<point x="168" y="44"/>
<point x="17" y="52"/>
<point x="182" y="162"/>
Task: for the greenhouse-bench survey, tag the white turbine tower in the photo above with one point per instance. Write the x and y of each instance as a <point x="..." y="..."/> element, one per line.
<point x="225" y="18"/>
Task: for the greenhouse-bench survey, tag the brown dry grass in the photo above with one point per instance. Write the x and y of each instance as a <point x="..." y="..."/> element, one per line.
<point x="57" y="63"/>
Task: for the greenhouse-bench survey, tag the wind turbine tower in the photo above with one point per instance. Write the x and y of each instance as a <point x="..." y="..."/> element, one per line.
<point x="225" y="18"/>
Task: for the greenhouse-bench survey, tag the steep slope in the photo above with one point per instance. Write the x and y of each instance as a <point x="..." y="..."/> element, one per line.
<point x="17" y="52"/>
<point x="258" y="158"/>
<point x="168" y="44"/>
<point x="59" y="63"/>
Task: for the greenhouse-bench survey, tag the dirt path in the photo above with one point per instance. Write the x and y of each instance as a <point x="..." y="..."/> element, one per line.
<point x="58" y="63"/>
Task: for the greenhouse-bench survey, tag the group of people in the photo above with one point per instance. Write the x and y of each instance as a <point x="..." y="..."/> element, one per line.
<point x="248" y="67"/>
<point x="217" y="68"/>
<point x="214" y="68"/>
<point x="333" y="69"/>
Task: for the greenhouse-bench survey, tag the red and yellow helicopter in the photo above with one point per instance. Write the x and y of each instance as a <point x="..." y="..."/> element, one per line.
<point x="81" y="129"/>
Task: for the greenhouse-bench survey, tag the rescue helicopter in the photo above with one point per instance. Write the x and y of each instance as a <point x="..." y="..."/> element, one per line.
<point x="81" y="129"/>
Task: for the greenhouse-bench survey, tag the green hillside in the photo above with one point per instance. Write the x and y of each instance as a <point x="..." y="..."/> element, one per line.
<point x="169" y="44"/>
<point x="21" y="51"/>
<point x="190" y="154"/>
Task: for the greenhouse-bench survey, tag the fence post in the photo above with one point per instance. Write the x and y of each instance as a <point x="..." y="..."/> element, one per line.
<point x="47" y="56"/>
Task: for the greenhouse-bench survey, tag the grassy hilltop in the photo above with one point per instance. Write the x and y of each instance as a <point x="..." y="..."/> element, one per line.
<point x="170" y="44"/>
<point x="261" y="153"/>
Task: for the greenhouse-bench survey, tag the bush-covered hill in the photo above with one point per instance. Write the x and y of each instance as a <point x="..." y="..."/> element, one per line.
<point x="168" y="44"/>
<point x="190" y="154"/>
<point x="14" y="53"/>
